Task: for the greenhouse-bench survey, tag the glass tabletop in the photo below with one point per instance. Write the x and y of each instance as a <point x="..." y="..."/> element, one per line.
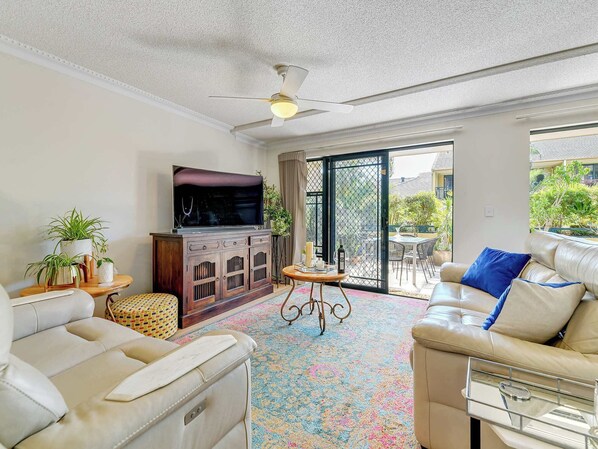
<point x="551" y="409"/>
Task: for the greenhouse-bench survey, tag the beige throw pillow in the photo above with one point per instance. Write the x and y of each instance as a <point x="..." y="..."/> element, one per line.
<point x="534" y="312"/>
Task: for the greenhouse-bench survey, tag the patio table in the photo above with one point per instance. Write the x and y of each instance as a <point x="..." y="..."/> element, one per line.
<point x="412" y="242"/>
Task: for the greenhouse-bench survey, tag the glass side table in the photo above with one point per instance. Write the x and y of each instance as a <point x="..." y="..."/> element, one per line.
<point x="522" y="405"/>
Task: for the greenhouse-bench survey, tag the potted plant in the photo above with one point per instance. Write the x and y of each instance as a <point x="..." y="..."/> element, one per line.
<point x="280" y="219"/>
<point x="105" y="270"/>
<point x="76" y="234"/>
<point x="56" y="269"/>
<point x="443" y="251"/>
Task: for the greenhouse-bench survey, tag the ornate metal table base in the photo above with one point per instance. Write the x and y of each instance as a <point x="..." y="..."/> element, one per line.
<point x="314" y="303"/>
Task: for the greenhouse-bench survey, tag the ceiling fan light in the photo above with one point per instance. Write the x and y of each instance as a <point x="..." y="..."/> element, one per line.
<point x="284" y="108"/>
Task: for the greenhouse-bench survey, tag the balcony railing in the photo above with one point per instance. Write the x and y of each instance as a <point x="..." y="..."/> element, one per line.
<point x="441" y="192"/>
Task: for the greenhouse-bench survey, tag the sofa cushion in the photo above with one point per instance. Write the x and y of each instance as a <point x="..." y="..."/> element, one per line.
<point x="534" y="312"/>
<point x="462" y="297"/>
<point x="577" y="260"/>
<point x="60" y="348"/>
<point x="34" y="314"/>
<point x="536" y="272"/>
<point x="494" y="270"/>
<point x="102" y="372"/>
<point x="28" y="400"/>
<point x="457" y="315"/>
<point x="581" y="334"/>
<point x="542" y="246"/>
<point x="6" y="327"/>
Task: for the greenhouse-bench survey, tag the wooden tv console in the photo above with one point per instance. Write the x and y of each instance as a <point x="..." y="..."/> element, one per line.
<point x="212" y="272"/>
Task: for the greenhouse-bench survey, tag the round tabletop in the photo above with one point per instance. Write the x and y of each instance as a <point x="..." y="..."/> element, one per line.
<point x="120" y="282"/>
<point x="330" y="276"/>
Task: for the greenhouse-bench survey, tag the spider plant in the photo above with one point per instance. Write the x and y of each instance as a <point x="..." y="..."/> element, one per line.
<point x="49" y="268"/>
<point x="73" y="225"/>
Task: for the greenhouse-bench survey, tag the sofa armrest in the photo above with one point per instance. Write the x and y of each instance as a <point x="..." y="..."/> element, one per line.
<point x="452" y="272"/>
<point x="36" y="313"/>
<point x="473" y="341"/>
<point x="104" y="424"/>
<point x="171" y="367"/>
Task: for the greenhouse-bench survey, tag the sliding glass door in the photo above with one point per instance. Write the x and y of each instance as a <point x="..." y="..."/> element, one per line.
<point x="358" y="207"/>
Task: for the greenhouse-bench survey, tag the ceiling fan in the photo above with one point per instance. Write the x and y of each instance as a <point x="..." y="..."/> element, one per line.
<point x="285" y="103"/>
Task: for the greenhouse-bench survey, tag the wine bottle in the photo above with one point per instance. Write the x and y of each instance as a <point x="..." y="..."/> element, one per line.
<point x="341" y="259"/>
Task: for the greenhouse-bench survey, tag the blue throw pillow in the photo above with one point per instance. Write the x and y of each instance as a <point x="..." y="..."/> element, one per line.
<point x="494" y="270"/>
<point x="497" y="309"/>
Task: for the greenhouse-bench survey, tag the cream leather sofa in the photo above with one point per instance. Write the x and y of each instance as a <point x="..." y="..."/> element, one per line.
<point x="62" y="359"/>
<point x="451" y="331"/>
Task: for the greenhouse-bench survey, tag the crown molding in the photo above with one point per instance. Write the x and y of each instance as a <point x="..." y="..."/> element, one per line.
<point x="380" y="131"/>
<point x="36" y="56"/>
<point x="384" y="130"/>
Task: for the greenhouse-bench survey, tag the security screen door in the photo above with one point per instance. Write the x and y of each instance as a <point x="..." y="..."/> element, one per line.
<point x="358" y="192"/>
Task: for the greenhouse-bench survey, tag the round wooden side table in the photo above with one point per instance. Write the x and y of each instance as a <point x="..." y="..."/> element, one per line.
<point x="120" y="282"/>
<point x="315" y="278"/>
<point x="95" y="289"/>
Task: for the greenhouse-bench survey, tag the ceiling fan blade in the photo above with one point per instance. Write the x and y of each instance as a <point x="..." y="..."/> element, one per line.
<point x="325" y="105"/>
<point x="223" y="97"/>
<point x="277" y="122"/>
<point x="293" y="80"/>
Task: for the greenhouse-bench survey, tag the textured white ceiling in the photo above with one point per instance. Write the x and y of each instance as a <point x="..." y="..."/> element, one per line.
<point x="185" y="50"/>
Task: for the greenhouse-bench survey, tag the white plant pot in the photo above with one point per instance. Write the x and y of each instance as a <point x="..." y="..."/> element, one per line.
<point x="65" y="276"/>
<point x="73" y="248"/>
<point x="106" y="272"/>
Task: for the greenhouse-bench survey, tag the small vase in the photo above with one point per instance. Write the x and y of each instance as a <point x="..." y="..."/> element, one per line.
<point x="74" y="248"/>
<point x="106" y="273"/>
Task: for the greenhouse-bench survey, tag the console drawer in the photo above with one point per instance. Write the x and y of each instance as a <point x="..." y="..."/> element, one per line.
<point x="235" y="243"/>
<point x="260" y="239"/>
<point x="203" y="246"/>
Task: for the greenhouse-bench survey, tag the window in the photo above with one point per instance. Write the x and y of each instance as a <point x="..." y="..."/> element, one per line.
<point x="591" y="178"/>
<point x="564" y="180"/>
<point x="446" y="188"/>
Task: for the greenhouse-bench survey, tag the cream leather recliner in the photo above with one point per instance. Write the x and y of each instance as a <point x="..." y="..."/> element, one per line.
<point x="450" y="332"/>
<point x="58" y="363"/>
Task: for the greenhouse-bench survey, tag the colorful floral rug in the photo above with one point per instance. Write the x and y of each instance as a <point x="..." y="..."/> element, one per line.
<point x="349" y="388"/>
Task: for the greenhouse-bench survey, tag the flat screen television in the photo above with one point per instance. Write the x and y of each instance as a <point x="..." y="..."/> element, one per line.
<point x="204" y="198"/>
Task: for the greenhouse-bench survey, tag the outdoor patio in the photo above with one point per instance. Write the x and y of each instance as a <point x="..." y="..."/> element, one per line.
<point x="401" y="286"/>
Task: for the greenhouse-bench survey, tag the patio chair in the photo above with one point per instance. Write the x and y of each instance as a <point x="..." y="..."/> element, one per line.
<point x="396" y="256"/>
<point x="420" y="257"/>
<point x="430" y="255"/>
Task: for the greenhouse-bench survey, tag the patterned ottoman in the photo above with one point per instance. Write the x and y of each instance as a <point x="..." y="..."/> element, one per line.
<point x="152" y="314"/>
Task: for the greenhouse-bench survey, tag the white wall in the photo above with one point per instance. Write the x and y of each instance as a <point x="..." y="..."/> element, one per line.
<point x="66" y="143"/>
<point x="491" y="168"/>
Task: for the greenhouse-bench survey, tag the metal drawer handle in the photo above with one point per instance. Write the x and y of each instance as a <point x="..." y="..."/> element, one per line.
<point x="205" y="247"/>
<point x="234" y="243"/>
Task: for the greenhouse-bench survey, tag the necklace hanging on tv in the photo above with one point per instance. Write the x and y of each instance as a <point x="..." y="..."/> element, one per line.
<point x="186" y="212"/>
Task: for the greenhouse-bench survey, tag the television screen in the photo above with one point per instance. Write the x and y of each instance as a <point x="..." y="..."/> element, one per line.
<point x="210" y="198"/>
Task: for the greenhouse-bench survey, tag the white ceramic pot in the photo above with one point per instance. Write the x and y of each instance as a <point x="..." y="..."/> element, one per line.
<point x="65" y="275"/>
<point x="106" y="272"/>
<point x="76" y="247"/>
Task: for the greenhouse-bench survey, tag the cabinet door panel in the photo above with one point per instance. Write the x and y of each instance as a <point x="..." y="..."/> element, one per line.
<point x="260" y="257"/>
<point x="203" y="281"/>
<point x="235" y="272"/>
